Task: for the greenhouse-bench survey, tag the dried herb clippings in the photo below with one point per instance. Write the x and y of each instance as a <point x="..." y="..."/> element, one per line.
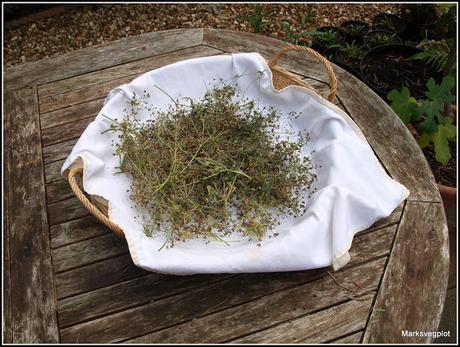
<point x="210" y="167"/>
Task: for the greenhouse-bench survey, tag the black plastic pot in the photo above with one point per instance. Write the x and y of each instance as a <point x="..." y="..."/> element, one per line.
<point x="349" y="35"/>
<point x="388" y="67"/>
<point x="330" y="54"/>
<point x="367" y="39"/>
<point x="350" y="65"/>
<point x="378" y="23"/>
<point x="319" y="45"/>
<point x="416" y="17"/>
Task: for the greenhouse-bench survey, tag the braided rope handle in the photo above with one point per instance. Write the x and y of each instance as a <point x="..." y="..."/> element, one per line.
<point x="319" y="57"/>
<point x="72" y="177"/>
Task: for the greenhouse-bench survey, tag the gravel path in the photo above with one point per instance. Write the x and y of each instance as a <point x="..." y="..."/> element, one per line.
<point x="88" y="25"/>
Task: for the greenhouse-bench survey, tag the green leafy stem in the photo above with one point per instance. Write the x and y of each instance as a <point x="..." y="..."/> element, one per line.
<point x="427" y="115"/>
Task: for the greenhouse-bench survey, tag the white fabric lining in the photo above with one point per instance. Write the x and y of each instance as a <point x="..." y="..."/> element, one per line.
<point x="284" y="255"/>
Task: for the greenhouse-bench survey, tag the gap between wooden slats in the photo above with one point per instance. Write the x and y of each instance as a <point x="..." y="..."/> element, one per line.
<point x="366" y="247"/>
<point x="237" y="320"/>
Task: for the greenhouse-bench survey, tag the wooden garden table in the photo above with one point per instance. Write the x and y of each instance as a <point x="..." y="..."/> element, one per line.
<point x="69" y="279"/>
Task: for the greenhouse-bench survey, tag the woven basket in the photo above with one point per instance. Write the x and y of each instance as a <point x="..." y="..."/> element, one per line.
<point x="281" y="79"/>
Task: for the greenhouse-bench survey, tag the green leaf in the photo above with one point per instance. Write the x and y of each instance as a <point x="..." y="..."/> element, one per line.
<point x="432" y="111"/>
<point x="403" y="104"/>
<point x="434" y="53"/>
<point x="424" y="140"/>
<point x="446" y="132"/>
<point x="441" y="93"/>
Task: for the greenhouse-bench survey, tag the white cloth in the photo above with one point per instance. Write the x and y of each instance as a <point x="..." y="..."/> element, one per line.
<point x="353" y="190"/>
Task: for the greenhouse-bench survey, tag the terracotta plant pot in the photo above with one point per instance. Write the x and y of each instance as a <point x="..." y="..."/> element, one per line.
<point x="448" y="195"/>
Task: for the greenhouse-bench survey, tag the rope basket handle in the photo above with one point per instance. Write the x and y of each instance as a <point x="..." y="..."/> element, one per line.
<point x="72" y="177"/>
<point x="319" y="57"/>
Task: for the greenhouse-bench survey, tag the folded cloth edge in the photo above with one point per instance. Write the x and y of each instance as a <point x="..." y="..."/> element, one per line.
<point x="339" y="260"/>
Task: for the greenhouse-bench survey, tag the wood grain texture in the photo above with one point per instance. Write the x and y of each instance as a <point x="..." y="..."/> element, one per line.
<point x="99" y="83"/>
<point x="82" y="307"/>
<point x="31" y="300"/>
<point x="268" y="310"/>
<point x="53" y="171"/>
<point x="102" y="56"/>
<point x="76" y="230"/>
<point x="317" y="327"/>
<point x="58" y="151"/>
<point x="88" y="251"/>
<point x="57" y="191"/>
<point x="122" y="296"/>
<point x="7" y="322"/>
<point x="66" y="210"/>
<point x="129" y="69"/>
<point x="71" y="114"/>
<point x="65" y="132"/>
<point x="353" y="338"/>
<point x="415" y="281"/>
<point x="97" y="275"/>
<point x="224" y="294"/>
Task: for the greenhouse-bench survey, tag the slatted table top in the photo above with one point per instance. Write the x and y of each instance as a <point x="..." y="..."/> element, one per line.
<point x="69" y="279"/>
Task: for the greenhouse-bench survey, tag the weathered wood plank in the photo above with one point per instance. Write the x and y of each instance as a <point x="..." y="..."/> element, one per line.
<point x="58" y="151"/>
<point x="102" y="56"/>
<point x="317" y="327"/>
<point x="402" y="156"/>
<point x="82" y="95"/>
<point x="233" y="41"/>
<point x="353" y="338"/>
<point x="66" y="210"/>
<point x="393" y="218"/>
<point x="414" y="285"/>
<point x="128" y="294"/>
<point x="65" y="132"/>
<point x="7" y="326"/>
<point x="129" y="69"/>
<point x="32" y="300"/>
<point x="76" y="230"/>
<point x="255" y="315"/>
<point x="57" y="191"/>
<point x="71" y="114"/>
<point x="88" y="227"/>
<point x="97" y="275"/>
<point x="224" y="294"/>
<point x="80" y="280"/>
<point x="99" y="83"/>
<point x="53" y="171"/>
<point x="88" y="251"/>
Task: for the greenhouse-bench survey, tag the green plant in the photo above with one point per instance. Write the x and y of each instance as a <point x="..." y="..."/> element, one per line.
<point x="256" y="18"/>
<point x="328" y="36"/>
<point x="352" y="50"/>
<point x="435" y="53"/>
<point x="208" y="167"/>
<point x="356" y="29"/>
<point x="299" y="37"/>
<point x="381" y="38"/>
<point x="386" y="23"/>
<point x="428" y="115"/>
